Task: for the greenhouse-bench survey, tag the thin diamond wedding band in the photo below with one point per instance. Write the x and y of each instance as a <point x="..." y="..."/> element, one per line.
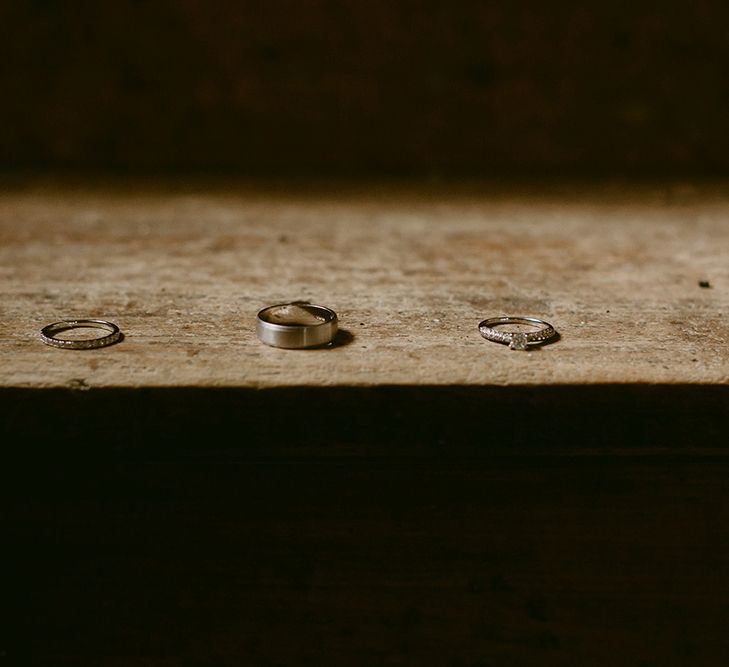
<point x="48" y="334"/>
<point x="296" y="325"/>
<point x="516" y="340"/>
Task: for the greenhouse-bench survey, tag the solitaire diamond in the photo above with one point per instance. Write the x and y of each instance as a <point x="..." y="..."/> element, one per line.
<point x="518" y="341"/>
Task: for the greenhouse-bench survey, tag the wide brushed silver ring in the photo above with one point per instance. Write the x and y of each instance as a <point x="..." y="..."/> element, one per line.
<point x="297" y="325"/>
<point x="517" y="340"/>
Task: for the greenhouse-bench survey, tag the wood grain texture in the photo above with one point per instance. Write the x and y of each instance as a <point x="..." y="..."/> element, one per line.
<point x="414" y="495"/>
<point x="183" y="268"/>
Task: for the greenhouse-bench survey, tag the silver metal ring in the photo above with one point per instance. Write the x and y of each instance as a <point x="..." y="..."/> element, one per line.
<point x="516" y="340"/>
<point x="48" y="334"/>
<point x="296" y="325"/>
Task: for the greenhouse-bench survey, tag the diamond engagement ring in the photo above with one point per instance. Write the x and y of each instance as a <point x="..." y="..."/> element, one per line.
<point x="48" y="334"/>
<point x="296" y="325"/>
<point x="517" y="340"/>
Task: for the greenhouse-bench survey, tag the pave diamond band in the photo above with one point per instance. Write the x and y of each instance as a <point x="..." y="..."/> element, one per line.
<point x="48" y="334"/>
<point x="516" y="340"/>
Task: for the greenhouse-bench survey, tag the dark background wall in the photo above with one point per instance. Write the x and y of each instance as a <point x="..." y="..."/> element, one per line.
<point x="366" y="86"/>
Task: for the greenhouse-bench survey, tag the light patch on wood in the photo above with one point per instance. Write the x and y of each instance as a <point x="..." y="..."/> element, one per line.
<point x="410" y="270"/>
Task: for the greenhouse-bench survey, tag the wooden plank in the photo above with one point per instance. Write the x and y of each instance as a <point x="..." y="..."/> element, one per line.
<point x="568" y="561"/>
<point x="413" y="495"/>
<point x="183" y="267"/>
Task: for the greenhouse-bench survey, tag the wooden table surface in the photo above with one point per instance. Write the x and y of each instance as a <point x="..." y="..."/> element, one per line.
<point x="183" y="267"/>
<point x="414" y="495"/>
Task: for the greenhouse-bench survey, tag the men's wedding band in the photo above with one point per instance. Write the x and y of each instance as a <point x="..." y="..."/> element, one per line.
<point x="48" y="334"/>
<point x="296" y="325"/>
<point x="516" y="340"/>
